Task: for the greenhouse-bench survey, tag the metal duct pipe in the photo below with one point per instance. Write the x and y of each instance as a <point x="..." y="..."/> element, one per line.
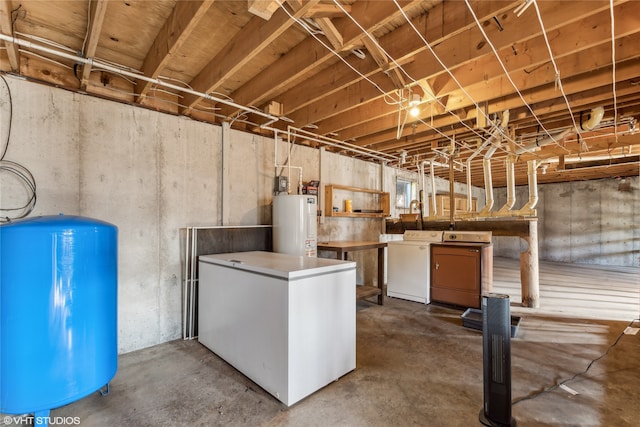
<point x="511" y="185"/>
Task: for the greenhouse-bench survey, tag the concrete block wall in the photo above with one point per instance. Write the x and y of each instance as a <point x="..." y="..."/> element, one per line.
<point x="582" y="222"/>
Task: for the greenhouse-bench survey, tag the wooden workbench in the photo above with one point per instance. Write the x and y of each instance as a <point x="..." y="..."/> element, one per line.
<point x="343" y="247"/>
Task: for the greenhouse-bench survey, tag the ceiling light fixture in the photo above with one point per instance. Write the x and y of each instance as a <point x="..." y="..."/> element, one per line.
<point x="414" y="111"/>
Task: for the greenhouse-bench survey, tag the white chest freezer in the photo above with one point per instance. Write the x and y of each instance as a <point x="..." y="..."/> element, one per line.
<point x="287" y="322"/>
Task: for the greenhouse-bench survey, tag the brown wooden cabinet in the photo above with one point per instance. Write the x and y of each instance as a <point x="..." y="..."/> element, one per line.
<point x="461" y="272"/>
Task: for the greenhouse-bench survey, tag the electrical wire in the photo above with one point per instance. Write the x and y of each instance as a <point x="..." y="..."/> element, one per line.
<point x="10" y="119"/>
<point x="555" y="386"/>
<point x="373" y="39"/>
<point x="330" y="49"/>
<point x="506" y="73"/>
<point x="45" y="41"/>
<point x="86" y="35"/>
<point x="401" y="124"/>
<point x="401" y="98"/>
<point x="613" y="65"/>
<point x="28" y="52"/>
<point x="555" y="68"/>
<point x="11" y="167"/>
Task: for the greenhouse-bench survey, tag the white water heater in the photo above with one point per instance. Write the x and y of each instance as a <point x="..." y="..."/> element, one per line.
<point x="295" y="230"/>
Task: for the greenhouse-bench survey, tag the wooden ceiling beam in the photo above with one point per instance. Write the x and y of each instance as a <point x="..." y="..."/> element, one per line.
<point x="573" y="70"/>
<point x="530" y="56"/>
<point x="6" y="27"/>
<point x="184" y="18"/>
<point x="262" y="8"/>
<point x="307" y="59"/>
<point x="252" y="39"/>
<point x="386" y="66"/>
<point x="402" y="44"/>
<point x="454" y="49"/>
<point x="327" y="10"/>
<point x="96" y="19"/>
<point x="331" y="33"/>
<point x="573" y="88"/>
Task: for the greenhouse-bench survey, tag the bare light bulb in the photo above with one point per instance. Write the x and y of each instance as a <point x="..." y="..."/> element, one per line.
<point x="414" y="111"/>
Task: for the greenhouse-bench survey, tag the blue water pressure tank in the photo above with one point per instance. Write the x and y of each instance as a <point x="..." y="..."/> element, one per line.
<point x="58" y="311"/>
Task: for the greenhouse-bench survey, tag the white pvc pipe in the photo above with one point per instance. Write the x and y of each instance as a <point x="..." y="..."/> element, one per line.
<point x="107" y="67"/>
<point x="471" y="157"/>
<point x="276" y="165"/>
<point x="543" y="142"/>
<point x="341" y="144"/>
<point x="488" y="186"/>
<point x="511" y="186"/>
<point x="431" y="163"/>
<point x="433" y="207"/>
<point x="595" y="117"/>
<point x="532" y="178"/>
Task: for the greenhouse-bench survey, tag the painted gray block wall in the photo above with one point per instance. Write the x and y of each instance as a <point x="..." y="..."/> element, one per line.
<point x="583" y="222"/>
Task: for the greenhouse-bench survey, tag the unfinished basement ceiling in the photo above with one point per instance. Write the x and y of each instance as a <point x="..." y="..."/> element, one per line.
<point x="533" y="79"/>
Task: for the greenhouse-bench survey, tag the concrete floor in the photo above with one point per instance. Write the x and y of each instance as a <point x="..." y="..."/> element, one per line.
<point x="416" y="365"/>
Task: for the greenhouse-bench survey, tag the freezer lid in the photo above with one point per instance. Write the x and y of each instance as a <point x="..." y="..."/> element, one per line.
<point x="278" y="265"/>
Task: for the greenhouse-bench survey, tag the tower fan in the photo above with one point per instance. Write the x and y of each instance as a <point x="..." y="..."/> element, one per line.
<point x="496" y="361"/>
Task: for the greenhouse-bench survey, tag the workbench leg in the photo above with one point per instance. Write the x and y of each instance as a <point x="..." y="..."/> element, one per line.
<point x="529" y="269"/>
<point x="381" y="275"/>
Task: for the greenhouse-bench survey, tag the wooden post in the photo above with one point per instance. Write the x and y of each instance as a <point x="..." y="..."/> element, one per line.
<point x="529" y="271"/>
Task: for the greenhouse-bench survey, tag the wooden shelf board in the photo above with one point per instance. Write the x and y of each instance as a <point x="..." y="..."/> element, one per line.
<point x="364" y="291"/>
<point x="359" y="215"/>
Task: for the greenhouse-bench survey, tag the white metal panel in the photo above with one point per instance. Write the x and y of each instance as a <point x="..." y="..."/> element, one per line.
<point x="322" y="331"/>
<point x="409" y="270"/>
<point x="242" y="318"/>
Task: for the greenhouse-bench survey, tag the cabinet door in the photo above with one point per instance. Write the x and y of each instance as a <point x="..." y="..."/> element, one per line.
<point x="456" y="275"/>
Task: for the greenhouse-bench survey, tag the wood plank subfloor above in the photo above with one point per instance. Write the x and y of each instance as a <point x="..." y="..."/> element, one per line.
<point x="586" y="291"/>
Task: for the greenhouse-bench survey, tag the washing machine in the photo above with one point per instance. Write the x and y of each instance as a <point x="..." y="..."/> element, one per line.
<point x="409" y="265"/>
